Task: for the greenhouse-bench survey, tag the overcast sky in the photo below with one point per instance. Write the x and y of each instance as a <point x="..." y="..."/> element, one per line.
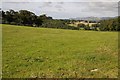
<point x="62" y="10"/>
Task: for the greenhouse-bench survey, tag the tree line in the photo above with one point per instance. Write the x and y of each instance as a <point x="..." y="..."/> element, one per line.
<point x="28" y="18"/>
<point x="22" y="17"/>
<point x="112" y="24"/>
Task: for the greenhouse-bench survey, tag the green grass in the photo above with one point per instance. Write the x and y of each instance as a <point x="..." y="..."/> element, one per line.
<point x="57" y="53"/>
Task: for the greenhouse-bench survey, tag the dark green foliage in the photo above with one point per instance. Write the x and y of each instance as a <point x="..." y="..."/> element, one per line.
<point x="44" y="17"/>
<point x="73" y="28"/>
<point x="95" y="26"/>
<point x="53" y="24"/>
<point x="87" y="27"/>
<point x="109" y="25"/>
<point x="38" y="21"/>
<point x="23" y="17"/>
<point x="81" y="25"/>
<point x="27" y="18"/>
<point x="59" y="24"/>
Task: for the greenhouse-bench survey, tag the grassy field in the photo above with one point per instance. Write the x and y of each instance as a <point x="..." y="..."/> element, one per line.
<point x="57" y="53"/>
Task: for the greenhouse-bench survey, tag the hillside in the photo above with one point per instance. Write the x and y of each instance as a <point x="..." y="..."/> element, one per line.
<point x="57" y="53"/>
<point x="91" y="18"/>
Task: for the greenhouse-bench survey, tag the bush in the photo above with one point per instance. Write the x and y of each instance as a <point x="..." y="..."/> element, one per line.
<point x="13" y="23"/>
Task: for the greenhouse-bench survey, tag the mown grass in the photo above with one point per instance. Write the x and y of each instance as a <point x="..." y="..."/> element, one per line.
<point x="56" y="53"/>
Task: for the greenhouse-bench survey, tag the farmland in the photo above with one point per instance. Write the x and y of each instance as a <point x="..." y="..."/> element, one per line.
<point x="57" y="53"/>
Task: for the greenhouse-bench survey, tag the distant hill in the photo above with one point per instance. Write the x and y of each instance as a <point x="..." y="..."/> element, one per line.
<point x="91" y="18"/>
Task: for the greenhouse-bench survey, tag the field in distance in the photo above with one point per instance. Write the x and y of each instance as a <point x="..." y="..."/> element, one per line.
<point x="57" y="53"/>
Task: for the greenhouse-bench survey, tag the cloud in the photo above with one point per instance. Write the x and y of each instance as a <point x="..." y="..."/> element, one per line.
<point x="102" y="6"/>
<point x="66" y="9"/>
<point x="60" y="0"/>
<point x="47" y="4"/>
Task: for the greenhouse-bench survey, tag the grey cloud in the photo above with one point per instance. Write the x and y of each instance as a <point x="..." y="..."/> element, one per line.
<point x="67" y="9"/>
<point x="56" y="5"/>
<point x="107" y="6"/>
<point x="45" y="4"/>
<point x="60" y="2"/>
<point x="101" y="7"/>
<point x="59" y="7"/>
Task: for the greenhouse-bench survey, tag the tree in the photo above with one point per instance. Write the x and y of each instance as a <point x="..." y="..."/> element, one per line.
<point x="23" y="17"/>
<point x="87" y="27"/>
<point x="38" y="21"/>
<point x="9" y="16"/>
<point x="81" y="25"/>
<point x="110" y="25"/>
<point x="27" y="17"/>
<point x="95" y="26"/>
<point x="2" y="16"/>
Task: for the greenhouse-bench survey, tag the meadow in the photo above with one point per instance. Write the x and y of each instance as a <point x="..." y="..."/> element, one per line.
<point x="29" y="52"/>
